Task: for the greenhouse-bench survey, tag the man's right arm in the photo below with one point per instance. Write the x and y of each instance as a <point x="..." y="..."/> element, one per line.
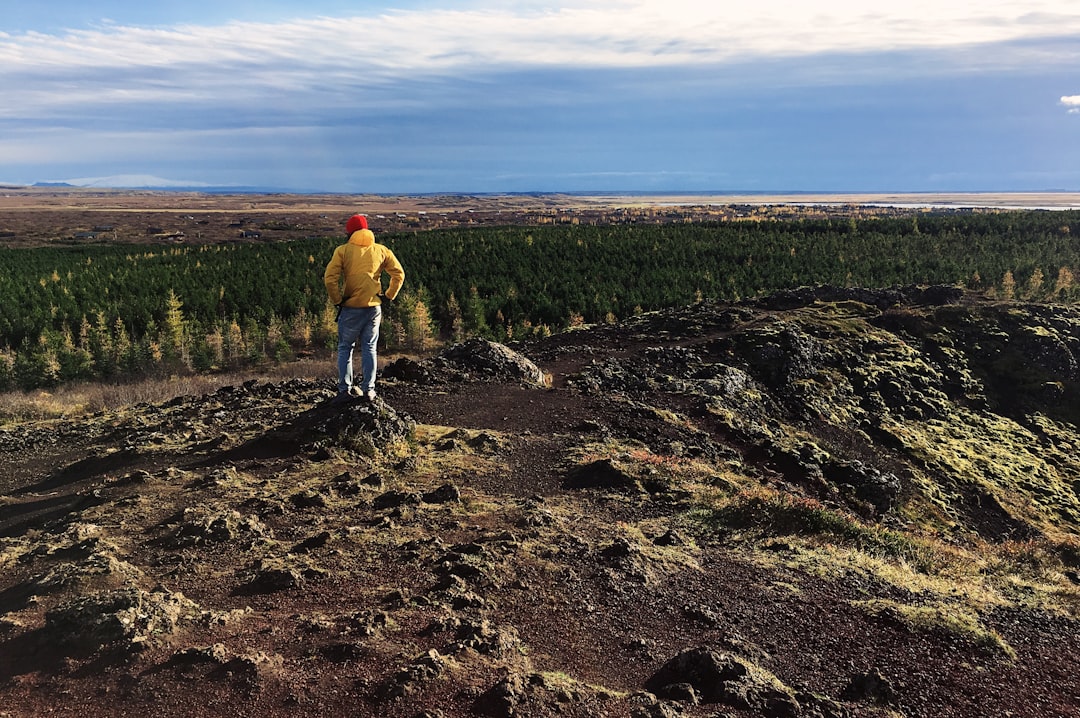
<point x="392" y="266"/>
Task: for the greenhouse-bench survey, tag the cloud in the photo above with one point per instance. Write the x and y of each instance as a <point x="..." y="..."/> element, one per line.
<point x="304" y="66"/>
<point x="592" y="34"/>
<point x="1073" y="103"/>
<point x="457" y="80"/>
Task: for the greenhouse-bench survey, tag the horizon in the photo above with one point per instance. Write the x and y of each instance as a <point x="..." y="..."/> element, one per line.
<point x="657" y="193"/>
<point x="569" y="200"/>
<point x="582" y="96"/>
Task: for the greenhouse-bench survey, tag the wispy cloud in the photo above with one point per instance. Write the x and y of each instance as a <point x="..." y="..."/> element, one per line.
<point x="314" y="63"/>
<point x="1072" y="102"/>
<point x="589" y="34"/>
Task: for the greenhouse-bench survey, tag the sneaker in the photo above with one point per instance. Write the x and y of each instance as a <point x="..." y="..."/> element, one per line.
<point x="369" y="395"/>
<point x="355" y="391"/>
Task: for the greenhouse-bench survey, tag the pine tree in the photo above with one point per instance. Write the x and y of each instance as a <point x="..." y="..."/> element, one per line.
<point x="255" y="340"/>
<point x="456" y="322"/>
<point x="215" y="346"/>
<point x="277" y="341"/>
<point x="149" y="349"/>
<point x="101" y="347"/>
<point x="75" y="361"/>
<point x="505" y="329"/>
<point x="7" y="376"/>
<point x="300" y="330"/>
<point x="123" y="356"/>
<point x="473" y="314"/>
<point x="35" y="365"/>
<point x="173" y="345"/>
<point x="84" y="334"/>
<point x="392" y="334"/>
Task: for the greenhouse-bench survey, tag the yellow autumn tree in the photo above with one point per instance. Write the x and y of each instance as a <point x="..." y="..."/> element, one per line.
<point x="300" y="331"/>
<point x="326" y="331"/>
<point x="173" y="344"/>
<point x="1035" y="284"/>
<point x="1063" y="286"/>
<point x="420" y="330"/>
<point x="1008" y="285"/>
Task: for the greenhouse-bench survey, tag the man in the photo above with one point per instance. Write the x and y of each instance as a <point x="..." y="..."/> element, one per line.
<point x="353" y="280"/>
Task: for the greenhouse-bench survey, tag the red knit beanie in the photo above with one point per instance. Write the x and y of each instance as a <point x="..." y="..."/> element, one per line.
<point x="356" y="222"/>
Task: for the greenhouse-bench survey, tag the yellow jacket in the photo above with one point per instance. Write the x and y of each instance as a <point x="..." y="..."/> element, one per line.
<point x="353" y="277"/>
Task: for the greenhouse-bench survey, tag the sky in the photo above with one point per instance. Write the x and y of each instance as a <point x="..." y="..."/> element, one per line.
<point x="467" y="96"/>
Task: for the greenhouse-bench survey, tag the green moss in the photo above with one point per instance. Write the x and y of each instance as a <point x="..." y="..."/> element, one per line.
<point x="1040" y="331"/>
<point x="1030" y="478"/>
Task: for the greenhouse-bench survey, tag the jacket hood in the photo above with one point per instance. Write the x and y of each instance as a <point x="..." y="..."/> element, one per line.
<point x="362" y="238"/>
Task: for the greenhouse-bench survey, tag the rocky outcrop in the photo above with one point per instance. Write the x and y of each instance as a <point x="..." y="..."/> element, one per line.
<point x="877" y="397"/>
<point x="118" y="619"/>
<point x="198" y="526"/>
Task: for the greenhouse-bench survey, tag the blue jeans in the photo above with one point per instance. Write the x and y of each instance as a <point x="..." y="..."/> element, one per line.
<point x="358" y="324"/>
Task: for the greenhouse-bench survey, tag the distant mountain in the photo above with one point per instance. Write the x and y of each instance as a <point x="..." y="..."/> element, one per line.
<point x="125" y="182"/>
<point x="151" y="182"/>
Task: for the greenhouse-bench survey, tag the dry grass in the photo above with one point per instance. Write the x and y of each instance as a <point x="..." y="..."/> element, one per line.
<point x="955" y="619"/>
<point x="87" y="398"/>
<point x="975" y="580"/>
<point x="73" y="400"/>
<point x="774" y="513"/>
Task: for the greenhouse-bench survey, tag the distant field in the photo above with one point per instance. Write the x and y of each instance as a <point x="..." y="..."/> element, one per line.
<point x="48" y="216"/>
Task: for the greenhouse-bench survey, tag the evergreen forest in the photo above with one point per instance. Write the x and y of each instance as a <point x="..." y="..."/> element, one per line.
<point x="108" y="312"/>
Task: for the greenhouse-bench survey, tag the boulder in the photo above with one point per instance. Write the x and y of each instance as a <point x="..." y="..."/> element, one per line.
<point x="446" y="494"/>
<point x="877" y="488"/>
<point x="600" y="474"/>
<point x="395" y="499"/>
<point x="871" y="687"/>
<point x="502" y="699"/>
<point x="933" y="295"/>
<point x="718" y="677"/>
<point x="410" y="370"/>
<point x="493" y="361"/>
<point x="279" y="574"/>
<point x="411" y="679"/>
<point x="352" y="424"/>
<point x="487" y="639"/>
